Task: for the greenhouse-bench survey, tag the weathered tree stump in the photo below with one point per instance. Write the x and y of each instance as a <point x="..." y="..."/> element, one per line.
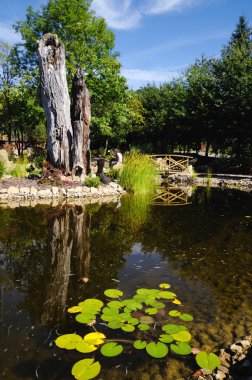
<point x="56" y="102"/>
<point x="81" y="116"/>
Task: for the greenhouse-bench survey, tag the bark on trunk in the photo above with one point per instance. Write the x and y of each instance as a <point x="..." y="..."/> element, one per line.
<point x="81" y="116"/>
<point x="56" y="102"/>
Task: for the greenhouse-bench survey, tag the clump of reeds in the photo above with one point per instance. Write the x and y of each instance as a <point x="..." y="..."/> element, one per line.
<point x="138" y="174"/>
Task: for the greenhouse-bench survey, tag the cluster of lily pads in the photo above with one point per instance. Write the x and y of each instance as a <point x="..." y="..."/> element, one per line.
<point x="145" y="315"/>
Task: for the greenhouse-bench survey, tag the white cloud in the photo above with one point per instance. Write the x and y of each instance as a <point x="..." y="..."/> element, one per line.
<point x="7" y="34"/>
<point x="136" y="77"/>
<point x="125" y="14"/>
<point x="119" y="14"/>
<point x="163" y="6"/>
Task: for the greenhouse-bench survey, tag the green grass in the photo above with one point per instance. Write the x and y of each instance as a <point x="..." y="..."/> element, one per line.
<point x="138" y="174"/>
<point x="92" y="181"/>
<point x="19" y="169"/>
<point x="2" y="168"/>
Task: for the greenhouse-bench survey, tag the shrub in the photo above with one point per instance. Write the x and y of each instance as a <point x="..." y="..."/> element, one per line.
<point x="139" y="174"/>
<point x="2" y="168"/>
<point x="113" y="173"/>
<point x="92" y="181"/>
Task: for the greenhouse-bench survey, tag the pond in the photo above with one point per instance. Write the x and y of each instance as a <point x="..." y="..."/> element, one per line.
<point x="53" y="257"/>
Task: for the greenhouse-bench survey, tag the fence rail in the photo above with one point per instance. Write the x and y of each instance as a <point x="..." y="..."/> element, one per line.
<point x="170" y="163"/>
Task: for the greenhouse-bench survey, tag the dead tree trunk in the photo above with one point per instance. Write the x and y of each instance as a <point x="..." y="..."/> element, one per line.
<point x="80" y="115"/>
<point x="56" y="102"/>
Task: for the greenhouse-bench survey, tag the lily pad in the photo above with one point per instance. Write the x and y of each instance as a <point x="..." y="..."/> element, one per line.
<point x="74" y="309"/>
<point x="139" y="344"/>
<point x="164" y="286"/>
<point x="167" y="295"/>
<point x="85" y="318"/>
<point x="186" y="317"/>
<point x="68" y="341"/>
<point x="115" y="325"/>
<point x="207" y="361"/>
<point x="113" y="293"/>
<point x="158" y="305"/>
<point x="157" y="350"/>
<point x="85" y="347"/>
<point x="174" y="313"/>
<point x="115" y="304"/>
<point x="128" y="328"/>
<point x="110" y="311"/>
<point x="111" y="349"/>
<point x="181" y="348"/>
<point x="143" y="326"/>
<point x="151" y="311"/>
<point x="86" y="369"/>
<point x="94" y="338"/>
<point x="171" y="329"/>
<point x="165" y="338"/>
<point x="182" y="336"/>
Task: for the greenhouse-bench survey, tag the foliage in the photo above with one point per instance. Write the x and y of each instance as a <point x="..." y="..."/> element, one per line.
<point x="138" y="173"/>
<point x="92" y="181"/>
<point x="2" y="168"/>
<point x="145" y="316"/>
<point x="20" y="168"/>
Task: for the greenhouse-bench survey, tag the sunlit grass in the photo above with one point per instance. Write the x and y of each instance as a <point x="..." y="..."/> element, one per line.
<point x="139" y="173"/>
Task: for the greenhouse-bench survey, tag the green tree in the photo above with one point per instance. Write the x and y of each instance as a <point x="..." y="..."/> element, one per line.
<point x="89" y="45"/>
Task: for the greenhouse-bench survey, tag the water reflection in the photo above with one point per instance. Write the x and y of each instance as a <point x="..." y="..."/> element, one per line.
<point x="172" y="196"/>
<point x="204" y="250"/>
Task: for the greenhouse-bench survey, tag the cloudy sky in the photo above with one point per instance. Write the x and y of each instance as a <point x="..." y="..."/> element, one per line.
<point x="156" y="39"/>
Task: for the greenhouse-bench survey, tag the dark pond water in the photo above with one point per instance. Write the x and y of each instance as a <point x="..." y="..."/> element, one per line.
<point x="203" y="249"/>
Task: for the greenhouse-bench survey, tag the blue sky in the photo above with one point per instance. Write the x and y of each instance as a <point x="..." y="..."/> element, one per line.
<point x="156" y="39"/>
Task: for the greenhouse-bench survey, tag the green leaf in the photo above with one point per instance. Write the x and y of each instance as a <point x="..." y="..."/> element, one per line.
<point x="94" y="338"/>
<point x="174" y="313"/>
<point x="158" y="305"/>
<point x="86" y="369"/>
<point x="171" y="329"/>
<point x="128" y="328"/>
<point x="157" y="350"/>
<point x="109" y="311"/>
<point x="85" y="318"/>
<point x="207" y="361"/>
<point x="143" y="327"/>
<point x="164" y="286"/>
<point x="124" y="316"/>
<point x="107" y="318"/>
<point x="85" y="347"/>
<point x="133" y="321"/>
<point x="139" y="344"/>
<point x="115" y="324"/>
<point x="186" y="317"/>
<point x="182" y="336"/>
<point x="146" y="319"/>
<point x="111" y="349"/>
<point x="181" y="348"/>
<point x="132" y="304"/>
<point x="143" y="291"/>
<point x="91" y="304"/>
<point x="115" y="304"/>
<point x="68" y="341"/>
<point x="113" y="293"/>
<point x="165" y="338"/>
<point x="151" y="311"/>
<point x="167" y="295"/>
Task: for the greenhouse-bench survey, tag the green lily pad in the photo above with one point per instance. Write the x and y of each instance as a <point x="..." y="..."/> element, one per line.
<point x="86" y="369"/>
<point x="91" y="305"/>
<point x="111" y="349"/>
<point x="85" y="318"/>
<point x="181" y="348"/>
<point x="128" y="328"/>
<point x="113" y="293"/>
<point x="165" y="338"/>
<point x="171" y="329"/>
<point x="115" y="304"/>
<point x="143" y="291"/>
<point x="174" y="313"/>
<point x="110" y="311"/>
<point x="167" y="295"/>
<point x="132" y="304"/>
<point x="85" y="347"/>
<point x="157" y="350"/>
<point x="124" y="316"/>
<point x="186" y="317"/>
<point x="139" y="344"/>
<point x="133" y="321"/>
<point x="164" y="286"/>
<point x="68" y="341"/>
<point x="158" y="305"/>
<point x="151" y="311"/>
<point x="182" y="336"/>
<point x="115" y="324"/>
<point x="207" y="361"/>
<point x="143" y="326"/>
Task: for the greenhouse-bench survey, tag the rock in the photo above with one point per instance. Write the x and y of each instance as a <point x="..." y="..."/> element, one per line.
<point x="3" y="191"/>
<point x="44" y="193"/>
<point x="24" y="190"/>
<point x="93" y="190"/>
<point x="33" y="191"/>
<point x="13" y="190"/>
<point x="55" y="190"/>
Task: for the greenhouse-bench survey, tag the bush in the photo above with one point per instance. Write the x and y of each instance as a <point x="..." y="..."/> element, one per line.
<point x="138" y="173"/>
<point x="113" y="173"/>
<point x="2" y="168"/>
<point x="92" y="181"/>
<point x="19" y="170"/>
